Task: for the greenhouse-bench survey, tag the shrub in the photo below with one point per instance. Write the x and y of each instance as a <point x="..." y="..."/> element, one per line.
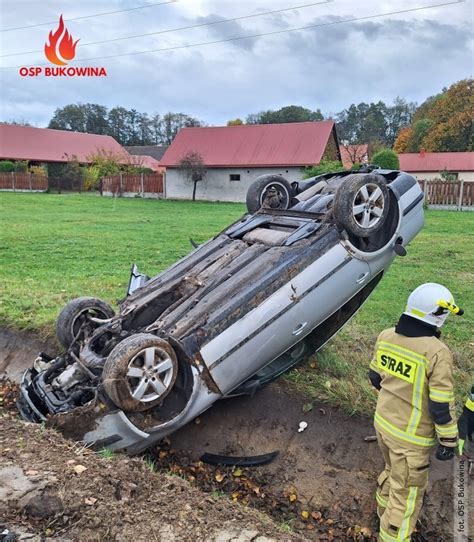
<point x="91" y="178"/>
<point x="386" y="159"/>
<point x="39" y="170"/>
<point x="6" y="166"/>
<point x="325" y="166"/>
<point x="21" y="166"/>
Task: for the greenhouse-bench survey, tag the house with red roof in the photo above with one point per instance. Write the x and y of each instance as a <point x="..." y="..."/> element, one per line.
<point x="430" y="165"/>
<point x="44" y="145"/>
<point x="234" y="156"/>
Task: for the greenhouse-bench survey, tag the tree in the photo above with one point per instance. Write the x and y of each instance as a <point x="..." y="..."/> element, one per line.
<point x="443" y="122"/>
<point x="235" y="122"/>
<point x="289" y="113"/>
<point x="118" y="124"/>
<point x="401" y="143"/>
<point x="191" y="166"/>
<point x="375" y="124"/>
<point x="96" y="119"/>
<point x="70" y="117"/>
<point x="386" y="159"/>
<point x="171" y="124"/>
<point x="398" y="117"/>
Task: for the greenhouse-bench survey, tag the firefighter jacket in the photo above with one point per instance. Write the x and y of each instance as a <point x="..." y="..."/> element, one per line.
<point x="414" y="371"/>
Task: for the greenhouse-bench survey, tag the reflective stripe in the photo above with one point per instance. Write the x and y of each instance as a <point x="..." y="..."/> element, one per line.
<point x="380" y="500"/>
<point x="404" y="530"/>
<point x="461" y="446"/>
<point x="404" y="351"/>
<point x="417" y="400"/>
<point x="441" y="396"/>
<point x="469" y="404"/>
<point x="416" y="312"/>
<point x="386" y="426"/>
<point x="388" y="538"/>
<point x="418" y="385"/>
<point x="450" y="430"/>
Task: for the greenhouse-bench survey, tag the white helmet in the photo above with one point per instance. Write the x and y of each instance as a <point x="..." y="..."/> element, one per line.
<point x="431" y="303"/>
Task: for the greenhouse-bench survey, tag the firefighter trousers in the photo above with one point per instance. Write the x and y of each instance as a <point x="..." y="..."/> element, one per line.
<point x="400" y="487"/>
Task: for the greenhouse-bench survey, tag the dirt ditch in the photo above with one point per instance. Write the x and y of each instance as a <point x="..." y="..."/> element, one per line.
<point x="320" y="486"/>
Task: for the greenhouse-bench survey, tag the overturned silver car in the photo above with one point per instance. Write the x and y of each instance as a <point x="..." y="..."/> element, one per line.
<point x="232" y="315"/>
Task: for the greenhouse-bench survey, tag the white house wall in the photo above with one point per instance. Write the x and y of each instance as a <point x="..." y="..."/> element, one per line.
<point x="467" y="176"/>
<point x="217" y="185"/>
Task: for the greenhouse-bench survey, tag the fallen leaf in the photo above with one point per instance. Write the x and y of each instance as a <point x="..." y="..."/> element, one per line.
<point x="307" y="407"/>
<point x="237" y="472"/>
<point x="90" y="501"/>
<point x="316" y="515"/>
<point x="48" y="532"/>
<point x="327" y="384"/>
<point x="70" y="462"/>
<point x="366" y="532"/>
<point x="31" y="472"/>
<point x="329" y="521"/>
<point x="219" y="477"/>
<point x="292" y="497"/>
<point x="79" y="468"/>
<point x="310" y="526"/>
<point x="312" y="365"/>
<point x="305" y="514"/>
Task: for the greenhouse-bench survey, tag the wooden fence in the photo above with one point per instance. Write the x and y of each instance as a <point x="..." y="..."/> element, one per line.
<point x="23" y="181"/>
<point x="450" y="194"/>
<point x="150" y="184"/>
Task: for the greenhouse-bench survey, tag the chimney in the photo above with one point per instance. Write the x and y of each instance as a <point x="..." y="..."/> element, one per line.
<point x="422" y="153"/>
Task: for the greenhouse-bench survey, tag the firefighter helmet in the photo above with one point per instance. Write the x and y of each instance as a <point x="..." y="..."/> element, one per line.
<point x="431" y="303"/>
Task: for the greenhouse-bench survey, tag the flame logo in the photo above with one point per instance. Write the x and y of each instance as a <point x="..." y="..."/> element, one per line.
<point x="61" y="47"/>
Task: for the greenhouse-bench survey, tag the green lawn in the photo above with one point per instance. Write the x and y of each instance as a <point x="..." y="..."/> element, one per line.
<point x="56" y="247"/>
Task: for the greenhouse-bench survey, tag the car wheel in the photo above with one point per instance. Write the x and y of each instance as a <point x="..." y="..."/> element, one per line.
<point x="361" y="204"/>
<point x="75" y="318"/>
<point x="271" y="191"/>
<point x="140" y="372"/>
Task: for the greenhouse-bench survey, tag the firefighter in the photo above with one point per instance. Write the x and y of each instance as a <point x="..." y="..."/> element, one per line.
<point x="413" y="371"/>
<point x="466" y="427"/>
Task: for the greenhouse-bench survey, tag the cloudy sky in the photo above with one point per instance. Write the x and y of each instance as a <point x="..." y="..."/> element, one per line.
<point x="328" y="66"/>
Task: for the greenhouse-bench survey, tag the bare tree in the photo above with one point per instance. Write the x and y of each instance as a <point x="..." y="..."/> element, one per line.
<point x="357" y="154"/>
<point x="191" y="166"/>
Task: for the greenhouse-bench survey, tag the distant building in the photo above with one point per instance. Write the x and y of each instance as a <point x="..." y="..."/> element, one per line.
<point x="44" y="146"/>
<point x="354" y="154"/>
<point x="429" y="165"/>
<point x="155" y="152"/>
<point x="234" y="156"/>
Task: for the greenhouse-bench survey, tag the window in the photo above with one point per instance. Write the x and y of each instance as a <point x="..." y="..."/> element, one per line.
<point x="234" y="176"/>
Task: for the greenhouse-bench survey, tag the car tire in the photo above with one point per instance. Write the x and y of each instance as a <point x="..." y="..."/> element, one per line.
<point x="72" y="318"/>
<point x="361" y="204"/>
<point x="258" y="190"/>
<point x="140" y="372"/>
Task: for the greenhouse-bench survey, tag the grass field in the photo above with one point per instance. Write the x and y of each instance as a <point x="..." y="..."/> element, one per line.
<point x="57" y="247"/>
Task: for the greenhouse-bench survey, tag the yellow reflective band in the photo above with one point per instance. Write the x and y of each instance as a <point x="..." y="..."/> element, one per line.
<point x="450" y="430"/>
<point x="380" y="500"/>
<point x="403" y="532"/>
<point x="461" y="445"/>
<point x="469" y="404"/>
<point x="417" y="401"/>
<point x="416" y="312"/>
<point x="386" y="426"/>
<point x="388" y="538"/>
<point x="441" y="396"/>
<point x="404" y="351"/>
